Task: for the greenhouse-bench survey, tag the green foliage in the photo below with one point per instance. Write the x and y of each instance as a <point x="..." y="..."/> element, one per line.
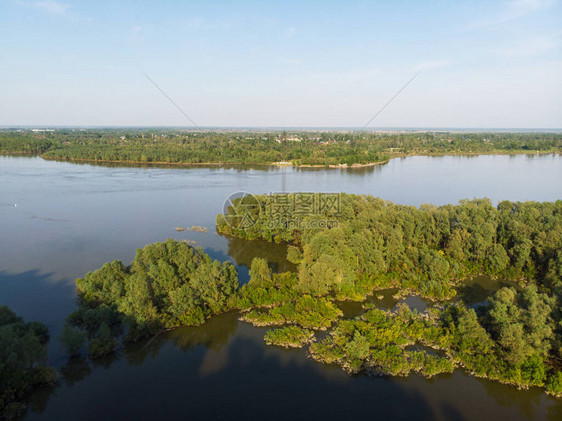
<point x="496" y="259"/>
<point x="294" y="254"/>
<point x="22" y="354"/>
<point x="520" y="323"/>
<point x="170" y="146"/>
<point x="428" y="251"/>
<point x="274" y="299"/>
<point x="554" y="385"/>
<point x="504" y="353"/>
<point x="260" y="273"/>
<point x="168" y="284"/>
<point x="289" y="337"/>
<point x="427" y="248"/>
<point x="378" y="341"/>
<point x="281" y="287"/>
<point x="306" y="311"/>
<point x="103" y="343"/>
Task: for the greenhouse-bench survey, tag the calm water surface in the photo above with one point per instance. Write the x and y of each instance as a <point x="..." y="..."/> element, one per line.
<point x="72" y="218"/>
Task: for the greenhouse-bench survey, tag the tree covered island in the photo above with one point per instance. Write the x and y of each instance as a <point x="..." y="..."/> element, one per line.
<point x="514" y="337"/>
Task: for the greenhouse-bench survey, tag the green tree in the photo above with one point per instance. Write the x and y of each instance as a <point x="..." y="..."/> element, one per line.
<point x="260" y="273"/>
<point x="521" y="322"/>
<point x="73" y="339"/>
<point x="23" y="352"/>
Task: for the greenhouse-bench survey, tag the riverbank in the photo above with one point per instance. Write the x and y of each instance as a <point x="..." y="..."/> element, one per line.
<point x="292" y="164"/>
<point x="404" y="155"/>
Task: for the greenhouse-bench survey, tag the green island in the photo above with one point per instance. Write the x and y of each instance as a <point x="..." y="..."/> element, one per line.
<point x="235" y="147"/>
<point x="23" y="351"/>
<point x="167" y="285"/>
<point x="371" y="244"/>
<point x="513" y="337"/>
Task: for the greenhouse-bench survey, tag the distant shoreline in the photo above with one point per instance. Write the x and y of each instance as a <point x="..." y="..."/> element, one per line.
<point x="285" y="163"/>
<point x="262" y="129"/>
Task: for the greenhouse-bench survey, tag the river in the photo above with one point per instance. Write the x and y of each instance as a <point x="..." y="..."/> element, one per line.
<point x="60" y="220"/>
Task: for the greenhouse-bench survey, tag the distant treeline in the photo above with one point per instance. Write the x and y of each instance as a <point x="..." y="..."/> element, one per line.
<point x="300" y="148"/>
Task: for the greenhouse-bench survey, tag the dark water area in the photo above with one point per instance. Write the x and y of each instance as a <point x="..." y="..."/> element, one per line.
<point x="476" y="290"/>
<point x="72" y="218"/>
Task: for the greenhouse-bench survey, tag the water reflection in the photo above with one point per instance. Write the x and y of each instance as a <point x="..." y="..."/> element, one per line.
<point x="476" y="290"/>
<point x="75" y="370"/>
<point x="527" y="406"/>
<point x="214" y="335"/>
<point x="385" y="299"/>
<point x="350" y="309"/>
<point x="223" y="369"/>
<point x="388" y="299"/>
<point x="472" y="291"/>
<point x="239" y="167"/>
<point x="34" y="295"/>
<point x="480" y="399"/>
<point x="244" y="251"/>
<point x="37" y="402"/>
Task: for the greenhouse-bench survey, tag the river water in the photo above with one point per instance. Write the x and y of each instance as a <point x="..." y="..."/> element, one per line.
<point x="61" y="220"/>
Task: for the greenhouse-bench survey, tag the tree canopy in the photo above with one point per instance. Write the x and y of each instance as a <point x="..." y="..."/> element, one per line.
<point x="176" y="146"/>
<point x="168" y="284"/>
<point x="514" y="337"/>
<point x="426" y="249"/>
<point x="23" y="352"/>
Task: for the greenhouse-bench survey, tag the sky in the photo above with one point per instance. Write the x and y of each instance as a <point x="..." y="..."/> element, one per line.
<point x="479" y="64"/>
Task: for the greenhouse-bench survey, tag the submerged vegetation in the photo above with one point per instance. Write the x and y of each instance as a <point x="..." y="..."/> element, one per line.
<point x="306" y="311"/>
<point x="169" y="146"/>
<point x="23" y="352"/>
<point x="273" y="300"/>
<point x="378" y="341"/>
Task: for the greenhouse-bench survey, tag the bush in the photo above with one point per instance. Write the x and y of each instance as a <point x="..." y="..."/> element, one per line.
<point x="290" y="336"/>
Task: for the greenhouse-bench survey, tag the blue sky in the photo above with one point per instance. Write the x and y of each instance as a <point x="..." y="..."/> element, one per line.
<point x="482" y="64"/>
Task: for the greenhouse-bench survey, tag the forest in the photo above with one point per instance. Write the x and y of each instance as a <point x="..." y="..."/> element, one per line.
<point x="299" y="148"/>
<point x="427" y="250"/>
<point x="515" y="337"/>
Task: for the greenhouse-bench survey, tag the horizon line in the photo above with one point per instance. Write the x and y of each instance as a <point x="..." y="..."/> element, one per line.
<point x="276" y="128"/>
